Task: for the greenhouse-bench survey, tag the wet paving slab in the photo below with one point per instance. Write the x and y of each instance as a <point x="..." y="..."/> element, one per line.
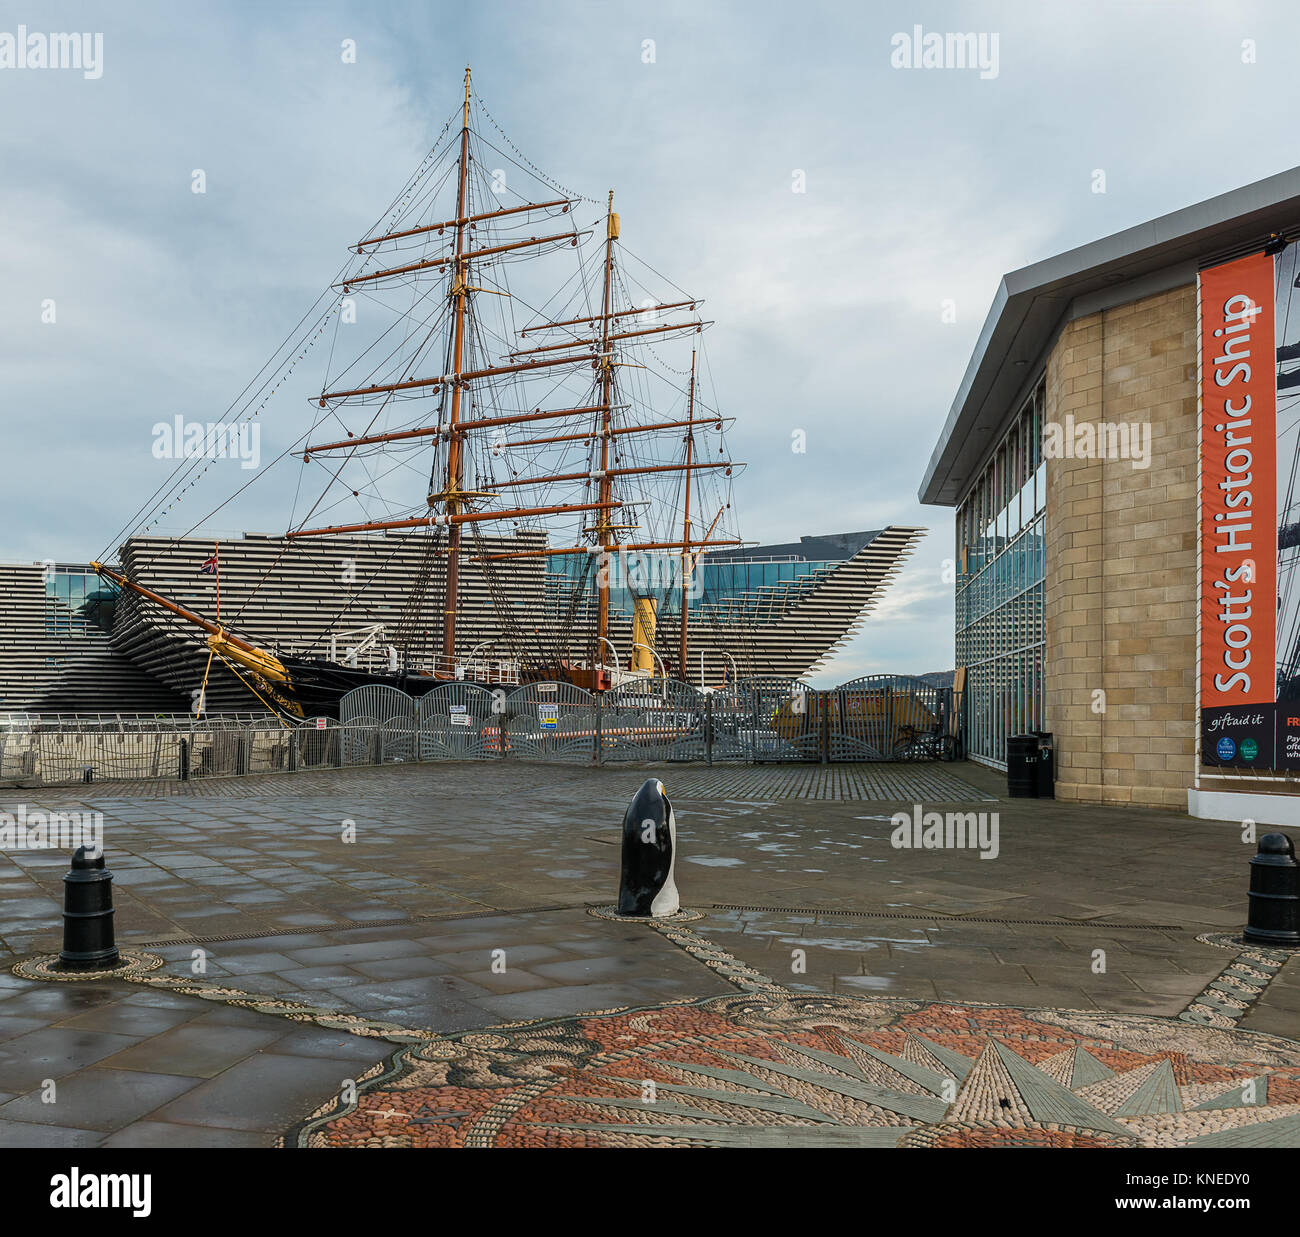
<point x="461" y="906"/>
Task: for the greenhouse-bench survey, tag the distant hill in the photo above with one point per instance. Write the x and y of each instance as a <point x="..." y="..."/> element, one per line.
<point x="938" y="678"/>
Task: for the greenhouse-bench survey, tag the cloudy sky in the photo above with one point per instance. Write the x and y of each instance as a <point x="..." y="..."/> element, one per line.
<point x="921" y="186"/>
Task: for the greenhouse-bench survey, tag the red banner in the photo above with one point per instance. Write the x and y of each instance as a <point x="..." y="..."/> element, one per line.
<point x="1238" y="585"/>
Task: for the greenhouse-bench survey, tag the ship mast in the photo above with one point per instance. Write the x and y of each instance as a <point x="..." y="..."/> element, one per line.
<point x="686" y="508"/>
<point x="455" y="474"/>
<point x="450" y="504"/>
<point x="606" y="393"/>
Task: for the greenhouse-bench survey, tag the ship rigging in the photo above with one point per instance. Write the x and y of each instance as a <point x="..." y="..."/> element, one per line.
<point x="516" y="366"/>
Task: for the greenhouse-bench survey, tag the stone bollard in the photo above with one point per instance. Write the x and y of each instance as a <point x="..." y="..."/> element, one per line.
<point x="646" y="888"/>
<point x="1274" y="915"/>
<point x="88" y="914"/>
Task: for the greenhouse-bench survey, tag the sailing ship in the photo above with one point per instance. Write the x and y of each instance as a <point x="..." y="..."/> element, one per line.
<point x="529" y="396"/>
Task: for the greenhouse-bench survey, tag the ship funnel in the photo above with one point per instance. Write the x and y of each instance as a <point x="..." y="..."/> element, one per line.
<point x="644" y="622"/>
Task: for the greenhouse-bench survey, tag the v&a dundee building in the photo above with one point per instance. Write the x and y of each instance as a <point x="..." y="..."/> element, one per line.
<point x="70" y="642"/>
<point x="1122" y="460"/>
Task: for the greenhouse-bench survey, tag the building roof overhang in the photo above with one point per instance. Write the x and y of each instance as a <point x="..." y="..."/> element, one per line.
<point x="829" y="547"/>
<point x="1032" y="303"/>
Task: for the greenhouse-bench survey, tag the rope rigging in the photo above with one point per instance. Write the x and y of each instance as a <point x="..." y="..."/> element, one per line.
<point x="492" y="363"/>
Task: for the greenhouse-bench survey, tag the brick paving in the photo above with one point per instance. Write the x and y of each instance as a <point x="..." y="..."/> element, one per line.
<point x="928" y="782"/>
<point x="458" y="910"/>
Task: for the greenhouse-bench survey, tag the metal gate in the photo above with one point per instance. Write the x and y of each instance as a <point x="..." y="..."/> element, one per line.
<point x="778" y="721"/>
<point x="316" y="744"/>
<point x="551" y="721"/>
<point x="462" y="721"/>
<point x="890" y="717"/>
<point x="379" y="724"/>
<point x="730" y="720"/>
<point x="653" y="719"/>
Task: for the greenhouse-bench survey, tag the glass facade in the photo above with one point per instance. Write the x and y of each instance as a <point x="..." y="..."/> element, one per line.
<point x="77" y="602"/>
<point x="999" y="602"/>
<point x="718" y="585"/>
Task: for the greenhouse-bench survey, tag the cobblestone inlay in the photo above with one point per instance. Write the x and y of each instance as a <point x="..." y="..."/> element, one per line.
<point x="767" y="1067"/>
<point x="134" y="964"/>
<point x="717" y="959"/>
<point x="140" y="968"/>
<point x="611" y="913"/>
<point x="770" y="1067"/>
<point x="1228" y="997"/>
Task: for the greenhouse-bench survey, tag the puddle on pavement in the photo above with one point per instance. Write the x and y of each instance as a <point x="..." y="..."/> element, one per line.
<point x="874" y="983"/>
<point x="832" y="943"/>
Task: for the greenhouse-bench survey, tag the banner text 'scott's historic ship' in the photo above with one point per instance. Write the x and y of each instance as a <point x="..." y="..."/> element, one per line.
<point x="521" y="446"/>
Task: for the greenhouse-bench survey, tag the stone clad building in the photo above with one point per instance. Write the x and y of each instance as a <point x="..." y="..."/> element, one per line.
<point x="1120" y="602"/>
<point x="1071" y="456"/>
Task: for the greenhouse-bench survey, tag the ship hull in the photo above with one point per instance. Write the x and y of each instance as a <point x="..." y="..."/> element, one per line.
<point x="316" y="686"/>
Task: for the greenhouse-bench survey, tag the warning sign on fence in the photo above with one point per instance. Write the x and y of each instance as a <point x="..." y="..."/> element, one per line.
<point x="549" y="716"/>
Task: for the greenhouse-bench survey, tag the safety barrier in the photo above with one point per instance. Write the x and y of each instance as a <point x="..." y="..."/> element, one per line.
<point x="881" y="717"/>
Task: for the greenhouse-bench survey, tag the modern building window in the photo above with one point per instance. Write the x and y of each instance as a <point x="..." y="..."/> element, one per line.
<point x="78" y="602"/>
<point x="719" y="583"/>
<point x="999" y="601"/>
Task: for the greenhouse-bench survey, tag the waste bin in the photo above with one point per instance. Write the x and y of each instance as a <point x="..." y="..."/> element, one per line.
<point x="1046" y="770"/>
<point x="1022" y="766"/>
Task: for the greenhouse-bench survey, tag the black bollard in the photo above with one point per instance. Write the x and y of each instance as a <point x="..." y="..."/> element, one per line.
<point x="88" y="914"/>
<point x="1274" y="915"/>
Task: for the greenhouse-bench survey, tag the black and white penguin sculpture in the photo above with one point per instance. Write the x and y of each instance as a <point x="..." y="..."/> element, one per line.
<point x="646" y="886"/>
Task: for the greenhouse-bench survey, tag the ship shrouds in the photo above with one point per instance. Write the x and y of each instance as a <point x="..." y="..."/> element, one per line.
<point x="505" y="382"/>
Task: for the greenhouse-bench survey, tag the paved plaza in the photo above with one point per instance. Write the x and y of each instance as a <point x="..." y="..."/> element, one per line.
<point x="417" y="956"/>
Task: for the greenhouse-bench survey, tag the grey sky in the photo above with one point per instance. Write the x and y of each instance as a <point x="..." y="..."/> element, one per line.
<point x="921" y="185"/>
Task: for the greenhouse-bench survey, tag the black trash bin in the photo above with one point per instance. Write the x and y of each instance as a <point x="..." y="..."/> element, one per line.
<point x="1022" y="766"/>
<point x="1045" y="774"/>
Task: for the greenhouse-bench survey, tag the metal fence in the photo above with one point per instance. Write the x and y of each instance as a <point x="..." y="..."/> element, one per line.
<point x="884" y="717"/>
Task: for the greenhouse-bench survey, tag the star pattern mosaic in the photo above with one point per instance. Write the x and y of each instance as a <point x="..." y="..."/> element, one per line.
<point x="772" y="1068"/>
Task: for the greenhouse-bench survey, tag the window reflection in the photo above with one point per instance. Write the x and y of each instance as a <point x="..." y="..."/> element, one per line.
<point x="78" y="602"/>
<point x="999" y="599"/>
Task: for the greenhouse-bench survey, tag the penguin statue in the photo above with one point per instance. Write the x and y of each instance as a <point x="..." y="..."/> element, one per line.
<point x="646" y="887"/>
